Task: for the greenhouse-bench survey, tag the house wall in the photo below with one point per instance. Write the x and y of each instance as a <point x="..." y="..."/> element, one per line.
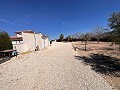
<point x="47" y="42"/>
<point x="19" y="47"/>
<point x="39" y="41"/>
<point x="19" y="34"/>
<point x="29" y="40"/>
<point x="16" y="42"/>
<point x="43" y="43"/>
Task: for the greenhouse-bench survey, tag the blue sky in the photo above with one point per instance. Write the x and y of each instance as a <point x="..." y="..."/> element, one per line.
<point x="53" y="17"/>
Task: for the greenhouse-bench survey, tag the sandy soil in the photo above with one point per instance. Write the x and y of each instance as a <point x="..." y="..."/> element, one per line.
<point x="52" y="69"/>
<point x="106" y="50"/>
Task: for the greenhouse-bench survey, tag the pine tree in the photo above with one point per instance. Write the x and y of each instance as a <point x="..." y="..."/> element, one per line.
<point x="114" y="24"/>
<point x="5" y="42"/>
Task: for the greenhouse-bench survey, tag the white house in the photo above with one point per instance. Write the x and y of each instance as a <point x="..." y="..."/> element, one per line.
<point x="28" y="40"/>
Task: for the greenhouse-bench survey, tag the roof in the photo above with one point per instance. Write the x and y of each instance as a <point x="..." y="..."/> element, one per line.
<point x="44" y="36"/>
<point x="15" y="38"/>
<point x="25" y="31"/>
<point x="10" y="50"/>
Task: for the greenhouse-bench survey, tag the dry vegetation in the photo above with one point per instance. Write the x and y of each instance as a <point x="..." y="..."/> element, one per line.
<point x="103" y="59"/>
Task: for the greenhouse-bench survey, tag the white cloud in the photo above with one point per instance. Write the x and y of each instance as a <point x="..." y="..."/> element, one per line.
<point x="5" y="21"/>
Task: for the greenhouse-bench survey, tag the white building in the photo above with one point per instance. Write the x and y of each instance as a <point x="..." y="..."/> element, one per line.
<point x="28" y="40"/>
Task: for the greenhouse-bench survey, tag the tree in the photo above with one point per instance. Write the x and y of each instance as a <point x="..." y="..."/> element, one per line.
<point x="107" y="37"/>
<point x="5" y="42"/>
<point x="76" y="36"/>
<point x="86" y="37"/>
<point x="68" y="37"/>
<point x="98" y="32"/>
<point x="61" y="37"/>
<point x="73" y="36"/>
<point x="114" y="24"/>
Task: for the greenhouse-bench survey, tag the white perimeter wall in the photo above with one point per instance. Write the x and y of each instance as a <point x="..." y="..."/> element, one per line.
<point x="45" y="43"/>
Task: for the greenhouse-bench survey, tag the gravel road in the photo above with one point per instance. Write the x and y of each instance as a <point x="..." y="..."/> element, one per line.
<point x="54" y="68"/>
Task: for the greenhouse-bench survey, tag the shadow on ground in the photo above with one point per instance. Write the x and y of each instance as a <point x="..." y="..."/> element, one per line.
<point x="2" y="60"/>
<point x="102" y="64"/>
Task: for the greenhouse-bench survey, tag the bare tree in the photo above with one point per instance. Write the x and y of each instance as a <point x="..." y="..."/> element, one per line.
<point x="98" y="32"/>
<point x="76" y="36"/>
<point x="86" y="37"/>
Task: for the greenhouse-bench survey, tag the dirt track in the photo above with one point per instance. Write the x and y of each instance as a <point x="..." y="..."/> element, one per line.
<point x="52" y="69"/>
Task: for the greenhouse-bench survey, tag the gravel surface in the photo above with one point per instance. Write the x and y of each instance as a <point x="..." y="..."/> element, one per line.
<point x="54" y="68"/>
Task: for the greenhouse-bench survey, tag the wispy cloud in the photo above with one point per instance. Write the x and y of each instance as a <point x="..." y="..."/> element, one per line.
<point x="5" y="21"/>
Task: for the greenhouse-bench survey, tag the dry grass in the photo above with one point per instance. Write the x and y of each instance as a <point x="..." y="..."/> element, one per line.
<point x="102" y="48"/>
<point x="103" y="58"/>
<point x="26" y="52"/>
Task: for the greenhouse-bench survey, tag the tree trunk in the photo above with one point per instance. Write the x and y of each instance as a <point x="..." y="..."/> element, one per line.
<point x="85" y="45"/>
<point x="68" y="39"/>
<point x="61" y="40"/>
<point x="98" y="40"/>
<point x="119" y="47"/>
